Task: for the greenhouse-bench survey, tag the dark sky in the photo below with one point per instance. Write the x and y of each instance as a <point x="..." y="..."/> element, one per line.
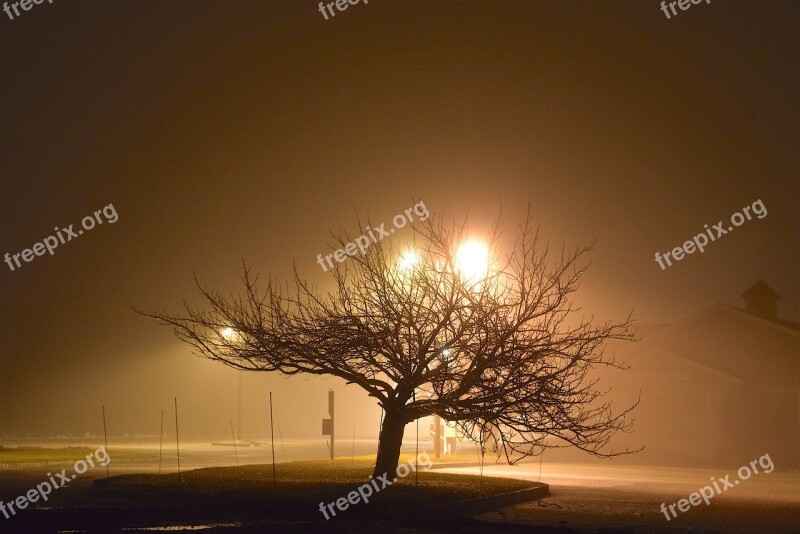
<point x="229" y="130"/>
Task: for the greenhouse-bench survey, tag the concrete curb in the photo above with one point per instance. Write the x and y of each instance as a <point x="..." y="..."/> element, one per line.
<point x="492" y="502"/>
<point x="504" y="499"/>
<point x="477" y="505"/>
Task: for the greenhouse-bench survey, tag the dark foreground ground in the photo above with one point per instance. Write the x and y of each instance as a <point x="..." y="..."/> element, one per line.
<point x="245" y="499"/>
<point x="581" y="499"/>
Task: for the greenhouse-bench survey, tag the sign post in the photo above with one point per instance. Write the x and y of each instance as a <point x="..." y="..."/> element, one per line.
<point x="437" y="432"/>
<point x="327" y="424"/>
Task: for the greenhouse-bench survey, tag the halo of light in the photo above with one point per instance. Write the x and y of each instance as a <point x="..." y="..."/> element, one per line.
<point x="408" y="260"/>
<point x="472" y="260"/>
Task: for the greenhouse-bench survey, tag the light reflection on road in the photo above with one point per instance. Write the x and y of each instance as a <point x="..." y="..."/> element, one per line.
<point x="779" y="486"/>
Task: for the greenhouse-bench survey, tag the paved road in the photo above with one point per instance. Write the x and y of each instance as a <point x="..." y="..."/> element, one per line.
<point x="587" y="498"/>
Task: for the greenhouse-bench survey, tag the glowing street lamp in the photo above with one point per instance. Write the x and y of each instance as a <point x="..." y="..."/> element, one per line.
<point x="408" y="260"/>
<point x="227" y="333"/>
<point x="472" y="260"/>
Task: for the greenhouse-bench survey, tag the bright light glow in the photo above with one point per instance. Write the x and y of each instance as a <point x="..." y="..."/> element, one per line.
<point x="408" y="260"/>
<point x="227" y="333"/>
<point x="472" y="260"/>
<point x="446" y="353"/>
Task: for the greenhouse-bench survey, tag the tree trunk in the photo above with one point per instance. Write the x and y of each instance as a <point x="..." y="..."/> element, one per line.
<point x="389" y="444"/>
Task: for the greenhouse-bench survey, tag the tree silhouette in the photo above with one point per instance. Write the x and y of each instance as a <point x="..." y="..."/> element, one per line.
<point x="434" y="328"/>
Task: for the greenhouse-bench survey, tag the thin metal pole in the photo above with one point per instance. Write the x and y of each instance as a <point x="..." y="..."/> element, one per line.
<point x="161" y="441"/>
<point x="105" y="438"/>
<point x="380" y="429"/>
<point x="280" y="434"/>
<point x="239" y="416"/>
<point x="478" y="451"/>
<point x="541" y="457"/>
<point x="234" y="443"/>
<point x="416" y="458"/>
<point x="331" y="410"/>
<point x="483" y="451"/>
<point x="272" y="432"/>
<point x="177" y="440"/>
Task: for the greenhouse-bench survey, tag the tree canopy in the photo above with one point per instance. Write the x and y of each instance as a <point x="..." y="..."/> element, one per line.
<point x="443" y="325"/>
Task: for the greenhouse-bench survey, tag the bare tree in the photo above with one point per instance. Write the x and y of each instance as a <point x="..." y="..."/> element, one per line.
<point x="492" y="344"/>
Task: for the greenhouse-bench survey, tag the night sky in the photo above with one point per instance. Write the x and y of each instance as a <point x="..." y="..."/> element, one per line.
<point x="223" y="131"/>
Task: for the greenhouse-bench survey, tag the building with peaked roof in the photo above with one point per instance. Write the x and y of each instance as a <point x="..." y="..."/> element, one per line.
<point x="719" y="387"/>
